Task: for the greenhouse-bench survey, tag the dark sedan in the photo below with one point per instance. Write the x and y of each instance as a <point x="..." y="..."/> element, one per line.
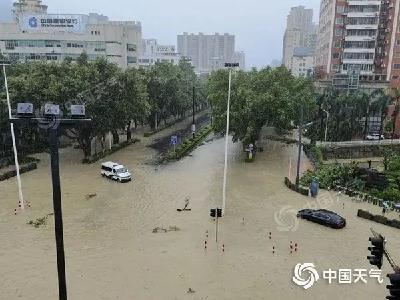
<point x="323" y="217"/>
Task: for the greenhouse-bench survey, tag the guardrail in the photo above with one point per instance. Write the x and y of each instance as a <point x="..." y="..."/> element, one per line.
<point x="358" y="143"/>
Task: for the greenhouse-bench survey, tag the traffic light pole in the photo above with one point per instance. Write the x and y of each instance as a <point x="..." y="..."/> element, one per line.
<point x="59" y="232"/>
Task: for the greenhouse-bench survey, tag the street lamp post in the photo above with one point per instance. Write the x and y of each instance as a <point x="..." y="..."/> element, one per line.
<point x="193" y="106"/>
<point x="300" y="146"/>
<point x="326" y="125"/>
<point x="230" y="66"/>
<point x="52" y="122"/>
<point x="20" y="194"/>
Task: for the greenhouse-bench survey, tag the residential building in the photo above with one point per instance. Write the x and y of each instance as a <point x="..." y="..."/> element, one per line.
<point x="302" y="64"/>
<point x="152" y="53"/>
<point x="36" y="35"/>
<point x="240" y="58"/>
<point x="359" y="39"/>
<point x="207" y="52"/>
<point x="300" y="32"/>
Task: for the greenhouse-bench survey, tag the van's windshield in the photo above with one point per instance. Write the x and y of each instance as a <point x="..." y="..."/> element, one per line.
<point x="122" y="170"/>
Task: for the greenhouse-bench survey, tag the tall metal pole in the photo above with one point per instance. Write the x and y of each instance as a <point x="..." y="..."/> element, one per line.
<point x="226" y="143"/>
<point x="20" y="195"/>
<point x="193" y="123"/>
<point x="55" y="175"/>
<point x="326" y="126"/>
<point x="300" y="146"/>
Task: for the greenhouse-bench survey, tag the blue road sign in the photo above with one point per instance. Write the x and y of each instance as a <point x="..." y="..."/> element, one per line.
<point x="174" y="140"/>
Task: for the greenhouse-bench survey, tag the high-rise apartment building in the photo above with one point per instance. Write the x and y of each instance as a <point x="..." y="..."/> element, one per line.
<point x="300" y="32"/>
<point x="207" y="52"/>
<point x="359" y="37"/>
<point x="36" y="35"/>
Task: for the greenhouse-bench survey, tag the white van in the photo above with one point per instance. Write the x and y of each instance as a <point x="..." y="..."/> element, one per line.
<point x="115" y="171"/>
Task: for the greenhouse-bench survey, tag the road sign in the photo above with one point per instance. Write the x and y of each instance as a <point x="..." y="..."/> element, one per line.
<point x="174" y="140"/>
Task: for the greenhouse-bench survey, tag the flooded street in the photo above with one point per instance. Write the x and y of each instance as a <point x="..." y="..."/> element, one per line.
<point x="112" y="252"/>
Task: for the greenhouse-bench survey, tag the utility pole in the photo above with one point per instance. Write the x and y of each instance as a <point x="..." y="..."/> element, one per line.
<point x="59" y="232"/>
<point x="300" y="146"/>
<point x="193" y="122"/>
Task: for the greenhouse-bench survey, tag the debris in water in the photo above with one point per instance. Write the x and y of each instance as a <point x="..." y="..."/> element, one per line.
<point x="191" y="291"/>
<point x="90" y="196"/>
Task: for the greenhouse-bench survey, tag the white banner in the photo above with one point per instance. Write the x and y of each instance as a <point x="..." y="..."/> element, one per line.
<point x="54" y="23"/>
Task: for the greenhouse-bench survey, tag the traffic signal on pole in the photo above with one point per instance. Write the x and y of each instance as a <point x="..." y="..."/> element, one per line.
<point x="376" y="250"/>
<point x="394" y="287"/>
<point x="216" y="212"/>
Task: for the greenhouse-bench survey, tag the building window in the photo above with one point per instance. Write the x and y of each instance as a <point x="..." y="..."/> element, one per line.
<point x="396" y="66"/>
<point x="339" y="21"/>
<point x="131" y="47"/>
<point x="132" y="60"/>
<point x="395" y="77"/>
<point x="340" y="9"/>
<point x="338" y="32"/>
<point x="335" y="55"/>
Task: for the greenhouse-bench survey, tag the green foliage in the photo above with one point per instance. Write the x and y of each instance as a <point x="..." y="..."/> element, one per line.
<point x="330" y="175"/>
<point x="114" y="98"/>
<point x="346" y="110"/>
<point x="266" y="97"/>
<point x="189" y="144"/>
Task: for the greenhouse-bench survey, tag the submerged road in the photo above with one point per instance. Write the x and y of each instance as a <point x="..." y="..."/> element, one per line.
<point x="112" y="252"/>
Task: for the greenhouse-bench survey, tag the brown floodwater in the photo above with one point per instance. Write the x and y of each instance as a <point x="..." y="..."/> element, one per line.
<point x="112" y="252"/>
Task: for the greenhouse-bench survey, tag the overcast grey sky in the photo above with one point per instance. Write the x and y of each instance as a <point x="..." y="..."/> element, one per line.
<point x="257" y="24"/>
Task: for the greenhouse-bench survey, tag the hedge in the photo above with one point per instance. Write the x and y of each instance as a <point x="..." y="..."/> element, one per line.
<point x="378" y="219"/>
<point x="113" y="149"/>
<point x="23" y="169"/>
<point x="189" y="144"/>
<point x="298" y="189"/>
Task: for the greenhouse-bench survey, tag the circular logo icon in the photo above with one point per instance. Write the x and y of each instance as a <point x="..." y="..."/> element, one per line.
<point x="286" y="219"/>
<point x="310" y="273"/>
<point x="33" y="22"/>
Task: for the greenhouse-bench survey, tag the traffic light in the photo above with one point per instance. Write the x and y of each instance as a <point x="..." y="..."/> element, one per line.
<point x="376" y="250"/>
<point x="394" y="287"/>
<point x="218" y="210"/>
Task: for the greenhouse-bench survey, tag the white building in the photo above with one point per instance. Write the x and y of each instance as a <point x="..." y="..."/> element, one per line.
<point x="36" y="35"/>
<point x="207" y="52"/>
<point x="152" y="52"/>
<point x="302" y="62"/>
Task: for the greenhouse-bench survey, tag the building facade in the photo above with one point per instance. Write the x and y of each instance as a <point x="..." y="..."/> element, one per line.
<point x="152" y="52"/>
<point x="36" y="35"/>
<point x="208" y="52"/>
<point x="302" y="64"/>
<point x="300" y="32"/>
<point x="361" y="38"/>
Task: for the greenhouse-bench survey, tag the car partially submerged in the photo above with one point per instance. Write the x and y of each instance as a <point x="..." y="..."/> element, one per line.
<point x="324" y="217"/>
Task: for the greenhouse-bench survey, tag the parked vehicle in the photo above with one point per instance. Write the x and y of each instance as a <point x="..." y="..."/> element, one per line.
<point x="375" y="137"/>
<point x="115" y="171"/>
<point x="323" y="217"/>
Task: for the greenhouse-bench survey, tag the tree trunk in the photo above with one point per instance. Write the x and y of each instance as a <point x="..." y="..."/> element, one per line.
<point x="128" y="132"/>
<point x="366" y="125"/>
<point x="115" y="137"/>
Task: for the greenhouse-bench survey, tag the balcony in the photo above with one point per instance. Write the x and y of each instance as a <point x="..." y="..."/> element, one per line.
<point x="362" y="14"/>
<point x="359" y="50"/>
<point x="358" y="61"/>
<point x="362" y="26"/>
<point x="359" y="38"/>
<point x="364" y="3"/>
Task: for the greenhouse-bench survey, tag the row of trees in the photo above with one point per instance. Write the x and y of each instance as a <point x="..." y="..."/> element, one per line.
<point x="350" y="113"/>
<point x="115" y="99"/>
<point x="266" y="97"/>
